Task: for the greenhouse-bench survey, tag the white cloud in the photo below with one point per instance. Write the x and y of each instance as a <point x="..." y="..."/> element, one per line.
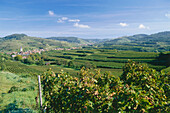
<point x="81" y="25"/>
<point x="64" y="18"/>
<point x="123" y="24"/>
<point x="60" y="21"/>
<point x="141" y="26"/>
<point x="74" y="20"/>
<point x="51" y="13"/>
<point x="167" y="15"/>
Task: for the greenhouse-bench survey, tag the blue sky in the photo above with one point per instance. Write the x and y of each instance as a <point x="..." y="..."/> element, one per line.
<point x="84" y="18"/>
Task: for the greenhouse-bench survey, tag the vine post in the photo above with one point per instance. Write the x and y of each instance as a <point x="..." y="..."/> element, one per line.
<point x="40" y="94"/>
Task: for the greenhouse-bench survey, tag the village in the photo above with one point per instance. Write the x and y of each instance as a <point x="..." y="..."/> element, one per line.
<point x="25" y="54"/>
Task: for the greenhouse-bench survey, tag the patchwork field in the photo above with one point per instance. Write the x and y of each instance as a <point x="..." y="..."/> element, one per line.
<point x="19" y="79"/>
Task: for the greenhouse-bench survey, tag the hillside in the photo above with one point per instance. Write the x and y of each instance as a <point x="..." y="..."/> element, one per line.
<point x="15" y="41"/>
<point x="77" y="40"/>
<point x="69" y="39"/>
<point x="141" y="42"/>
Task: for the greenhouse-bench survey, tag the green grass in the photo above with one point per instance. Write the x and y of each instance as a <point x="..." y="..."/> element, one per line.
<point x="24" y="97"/>
<point x="56" y="69"/>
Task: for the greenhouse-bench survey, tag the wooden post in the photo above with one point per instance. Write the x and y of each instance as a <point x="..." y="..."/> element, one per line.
<point x="40" y="95"/>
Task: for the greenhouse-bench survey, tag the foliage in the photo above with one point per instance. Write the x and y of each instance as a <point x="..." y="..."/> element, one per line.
<point x="15" y="36"/>
<point x="2" y="67"/>
<point x="71" y="64"/>
<point x="139" y="89"/>
<point x="18" y="58"/>
<point x="13" y="108"/>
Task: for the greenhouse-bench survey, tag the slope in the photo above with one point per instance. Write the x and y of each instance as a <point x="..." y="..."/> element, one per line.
<point x="142" y="42"/>
<point x="15" y="41"/>
<point x="69" y="39"/>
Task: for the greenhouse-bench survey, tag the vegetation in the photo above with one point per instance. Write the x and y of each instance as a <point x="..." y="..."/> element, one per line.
<point x="69" y="39"/>
<point x="13" y="42"/>
<point x="147" y="43"/>
<point x="158" y="42"/>
<point x="139" y="89"/>
<point x="17" y="93"/>
<point x="94" y="78"/>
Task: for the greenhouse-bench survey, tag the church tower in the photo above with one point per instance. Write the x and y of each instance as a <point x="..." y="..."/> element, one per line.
<point x="21" y="49"/>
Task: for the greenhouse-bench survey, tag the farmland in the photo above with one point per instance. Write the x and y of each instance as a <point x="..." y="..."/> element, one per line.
<point x="19" y="78"/>
<point x="72" y="61"/>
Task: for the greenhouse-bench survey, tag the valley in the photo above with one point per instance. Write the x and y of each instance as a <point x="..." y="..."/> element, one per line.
<point x="20" y="66"/>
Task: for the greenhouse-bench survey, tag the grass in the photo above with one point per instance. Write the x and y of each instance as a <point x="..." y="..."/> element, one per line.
<point x="24" y="97"/>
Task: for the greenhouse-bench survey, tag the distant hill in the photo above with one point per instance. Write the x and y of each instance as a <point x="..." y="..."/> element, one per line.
<point x="141" y="42"/>
<point x="15" y="41"/>
<point x="77" y="40"/>
<point x="69" y="39"/>
<point x="95" y="40"/>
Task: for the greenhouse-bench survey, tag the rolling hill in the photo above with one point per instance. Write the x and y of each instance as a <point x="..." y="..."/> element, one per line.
<point x="15" y="41"/>
<point x="77" y="40"/>
<point x="141" y="42"/>
<point x="69" y="39"/>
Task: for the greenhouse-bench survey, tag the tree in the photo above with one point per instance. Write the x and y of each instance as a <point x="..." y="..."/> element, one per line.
<point x="3" y="67"/>
<point x="28" y="60"/>
<point x="70" y="64"/>
<point x="18" y="58"/>
<point x="41" y="62"/>
<point x="58" y="62"/>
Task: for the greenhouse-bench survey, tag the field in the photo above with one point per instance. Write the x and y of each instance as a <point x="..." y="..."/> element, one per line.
<point x="17" y="92"/>
<point x="72" y="61"/>
<point x="105" y="59"/>
<point x="19" y="80"/>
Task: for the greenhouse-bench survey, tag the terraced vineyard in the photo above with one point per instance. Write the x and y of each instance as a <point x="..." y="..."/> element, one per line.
<point x="21" y="77"/>
<point x="73" y="60"/>
<point x="104" y="59"/>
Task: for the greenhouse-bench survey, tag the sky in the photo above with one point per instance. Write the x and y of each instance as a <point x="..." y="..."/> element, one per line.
<point x="84" y="18"/>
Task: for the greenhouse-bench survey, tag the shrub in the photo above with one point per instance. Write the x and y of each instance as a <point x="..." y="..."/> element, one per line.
<point x="13" y="88"/>
<point x="139" y="89"/>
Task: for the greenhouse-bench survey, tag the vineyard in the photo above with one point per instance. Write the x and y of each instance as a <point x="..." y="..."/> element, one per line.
<point x="139" y="89"/>
<point x="86" y="80"/>
<point x="73" y="60"/>
<point x="113" y="59"/>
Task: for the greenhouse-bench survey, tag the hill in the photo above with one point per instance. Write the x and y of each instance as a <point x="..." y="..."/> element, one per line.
<point x="69" y="39"/>
<point x="15" y="41"/>
<point x="141" y="42"/>
<point x="77" y="40"/>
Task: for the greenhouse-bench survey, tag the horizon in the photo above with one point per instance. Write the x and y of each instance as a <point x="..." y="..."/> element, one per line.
<point x="85" y="19"/>
<point x="81" y="37"/>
